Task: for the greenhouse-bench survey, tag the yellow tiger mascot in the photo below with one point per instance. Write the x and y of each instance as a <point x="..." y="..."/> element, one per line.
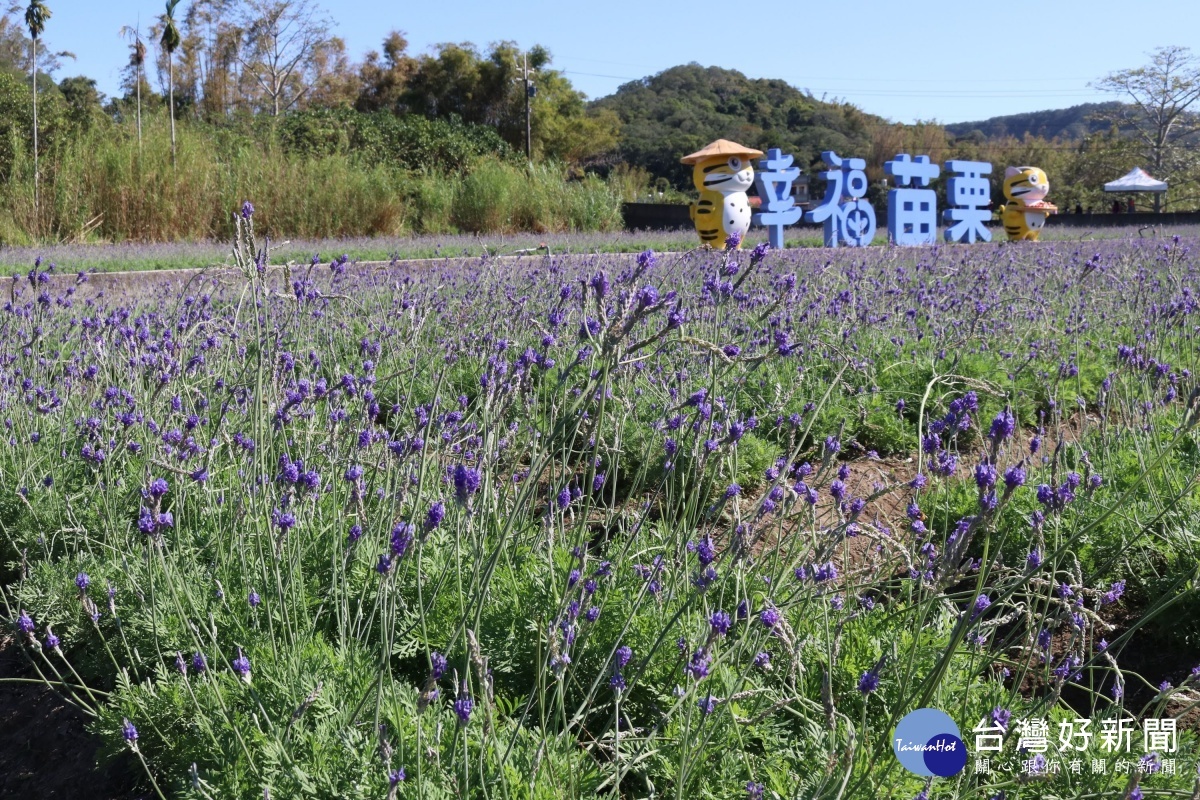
<point x="721" y="172"/>
<point x="1023" y="216"/>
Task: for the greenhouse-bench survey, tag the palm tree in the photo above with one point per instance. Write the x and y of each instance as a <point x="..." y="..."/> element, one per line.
<point x="35" y="18"/>
<point x="137" y="57"/>
<point x="170" y="41"/>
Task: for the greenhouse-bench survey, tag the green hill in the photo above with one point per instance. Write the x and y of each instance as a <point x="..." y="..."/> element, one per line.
<point x="1069" y="124"/>
<point x="684" y="108"/>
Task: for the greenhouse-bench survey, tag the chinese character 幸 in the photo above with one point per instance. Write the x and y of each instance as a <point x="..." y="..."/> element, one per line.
<point x="853" y="220"/>
<point x="912" y="213"/>
<point x="774" y="180"/>
<point x="970" y="192"/>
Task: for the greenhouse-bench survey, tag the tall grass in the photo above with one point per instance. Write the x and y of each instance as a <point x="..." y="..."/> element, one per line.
<point x="99" y="186"/>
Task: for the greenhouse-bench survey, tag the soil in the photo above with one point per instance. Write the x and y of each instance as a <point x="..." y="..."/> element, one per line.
<point x="45" y="751"/>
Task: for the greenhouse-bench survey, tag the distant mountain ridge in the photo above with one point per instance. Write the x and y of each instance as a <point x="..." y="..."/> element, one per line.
<point x="1069" y="124"/>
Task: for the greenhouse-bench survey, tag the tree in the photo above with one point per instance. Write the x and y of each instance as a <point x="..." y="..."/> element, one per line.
<point x="170" y="41"/>
<point x="332" y="82"/>
<point x="1158" y="96"/>
<point x="84" y="104"/>
<point x="16" y="47"/>
<point x="285" y="40"/>
<point x="35" y="19"/>
<point x="137" y="59"/>
<point x="385" y="79"/>
<point x="211" y="44"/>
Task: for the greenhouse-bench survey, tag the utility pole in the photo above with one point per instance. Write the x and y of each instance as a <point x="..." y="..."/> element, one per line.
<point x="530" y="92"/>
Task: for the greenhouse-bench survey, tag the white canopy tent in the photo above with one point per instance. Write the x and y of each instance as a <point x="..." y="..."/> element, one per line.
<point x="1136" y="180"/>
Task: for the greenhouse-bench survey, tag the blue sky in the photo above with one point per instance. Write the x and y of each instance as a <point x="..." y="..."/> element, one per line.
<point x="933" y="60"/>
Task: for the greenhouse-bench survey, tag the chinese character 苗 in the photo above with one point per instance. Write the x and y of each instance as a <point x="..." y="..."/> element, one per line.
<point x="970" y="193"/>
<point x="912" y="213"/>
<point x="853" y="220"/>
<point x="988" y="737"/>
<point x="774" y="180"/>
<point x="1035" y="735"/>
<point x="1159" y="734"/>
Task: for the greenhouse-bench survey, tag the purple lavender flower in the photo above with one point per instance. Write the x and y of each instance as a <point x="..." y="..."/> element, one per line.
<point x="241" y="665"/>
<point x="697" y="667"/>
<point x="158" y="487"/>
<point x="868" y="682"/>
<point x="1113" y="594"/>
<point x="624" y="654"/>
<point x="437" y="663"/>
<point x="128" y="732"/>
<point x="83" y="581"/>
<point x="466" y="482"/>
<point x="1002" y="426"/>
<point x="463" y="706"/>
<point x="985" y="475"/>
<point x="1014" y="477"/>
<point x="769" y="617"/>
<point x="435" y="515"/>
<point x="708" y="704"/>
<point x="247" y="209"/>
<point x="254" y="600"/>
<point x="754" y="791"/>
<point x="402" y="538"/>
<point x="824" y="572"/>
<point x="1001" y="717"/>
<point x="199" y="663"/>
<point x="25" y="623"/>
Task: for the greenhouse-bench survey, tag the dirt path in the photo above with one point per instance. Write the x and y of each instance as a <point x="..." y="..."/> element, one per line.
<point x="45" y="751"/>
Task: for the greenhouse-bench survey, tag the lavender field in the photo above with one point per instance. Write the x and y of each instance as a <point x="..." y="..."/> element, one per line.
<point x="691" y="525"/>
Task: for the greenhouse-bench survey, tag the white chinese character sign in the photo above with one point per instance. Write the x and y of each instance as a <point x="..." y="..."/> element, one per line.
<point x="847" y="215"/>
<point x="912" y="212"/>
<point x="723" y="171"/>
<point x="970" y="194"/>
<point x="774" y="183"/>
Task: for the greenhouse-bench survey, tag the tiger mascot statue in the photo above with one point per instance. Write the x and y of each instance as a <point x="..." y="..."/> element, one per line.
<point x="1025" y="213"/>
<point x="721" y="172"/>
